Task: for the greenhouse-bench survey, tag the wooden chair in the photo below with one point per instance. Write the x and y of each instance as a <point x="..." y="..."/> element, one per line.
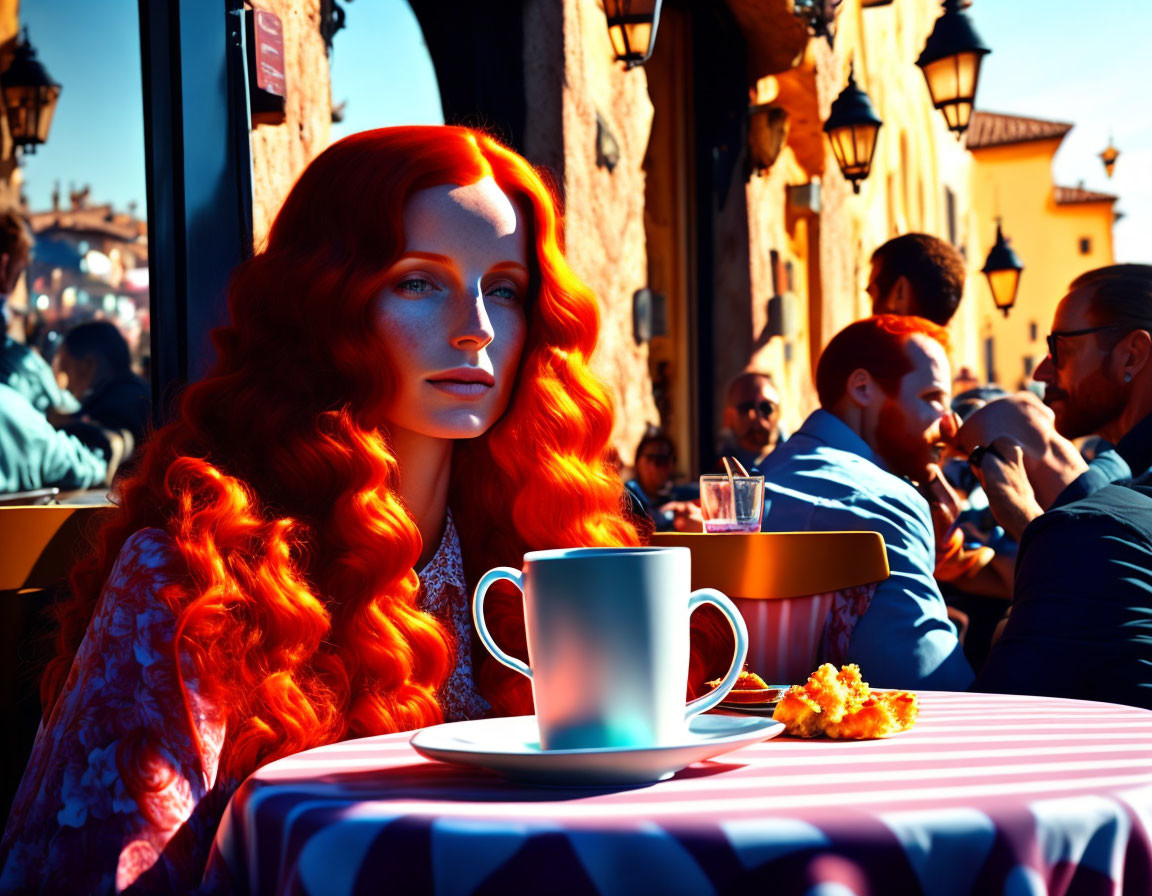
<point x="38" y="545"/>
<point x="785" y="584"/>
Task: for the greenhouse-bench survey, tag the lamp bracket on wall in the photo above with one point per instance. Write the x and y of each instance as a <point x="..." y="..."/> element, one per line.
<point x="607" y="149"/>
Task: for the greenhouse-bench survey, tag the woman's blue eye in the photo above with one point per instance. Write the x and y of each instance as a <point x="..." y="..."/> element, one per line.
<point x="505" y="292"/>
<point x="414" y="285"/>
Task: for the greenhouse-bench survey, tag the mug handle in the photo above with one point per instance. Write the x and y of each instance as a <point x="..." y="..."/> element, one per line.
<point x="739" y="629"/>
<point x="508" y="574"/>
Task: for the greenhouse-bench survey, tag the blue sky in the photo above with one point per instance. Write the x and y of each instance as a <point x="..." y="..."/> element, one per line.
<point x="1057" y="59"/>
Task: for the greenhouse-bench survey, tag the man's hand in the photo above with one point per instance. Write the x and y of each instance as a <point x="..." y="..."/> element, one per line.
<point x="943" y="502"/>
<point x="686" y="515"/>
<point x="1010" y="495"/>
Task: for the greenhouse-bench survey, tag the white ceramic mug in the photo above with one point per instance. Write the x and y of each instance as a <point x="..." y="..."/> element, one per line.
<point x="608" y="644"/>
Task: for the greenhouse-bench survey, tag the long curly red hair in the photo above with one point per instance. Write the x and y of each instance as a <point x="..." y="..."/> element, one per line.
<point x="279" y="488"/>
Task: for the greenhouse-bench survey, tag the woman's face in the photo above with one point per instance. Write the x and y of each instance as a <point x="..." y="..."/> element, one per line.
<point x="452" y="310"/>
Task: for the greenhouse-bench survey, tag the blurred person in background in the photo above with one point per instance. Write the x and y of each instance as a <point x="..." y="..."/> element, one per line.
<point x="21" y="367"/>
<point x="654" y="489"/>
<point x="95" y="364"/>
<point x="752" y="418"/>
<point x="917" y="274"/>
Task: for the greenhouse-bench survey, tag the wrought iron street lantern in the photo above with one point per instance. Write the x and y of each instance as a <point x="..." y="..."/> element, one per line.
<point x="852" y="127"/>
<point x="1109" y="157"/>
<point x="30" y="97"/>
<point x="1003" y="269"/>
<point x="632" y="29"/>
<point x="951" y="63"/>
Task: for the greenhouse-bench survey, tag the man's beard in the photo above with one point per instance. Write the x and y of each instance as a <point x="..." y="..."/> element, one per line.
<point x="1096" y="403"/>
<point x="904" y="453"/>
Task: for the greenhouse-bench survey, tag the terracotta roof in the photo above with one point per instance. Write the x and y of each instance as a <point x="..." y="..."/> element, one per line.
<point x="1074" y="195"/>
<point x="993" y="129"/>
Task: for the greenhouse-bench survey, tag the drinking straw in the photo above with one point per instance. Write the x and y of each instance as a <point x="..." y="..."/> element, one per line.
<point x="731" y="484"/>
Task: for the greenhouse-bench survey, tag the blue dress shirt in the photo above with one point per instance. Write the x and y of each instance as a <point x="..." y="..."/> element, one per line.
<point x="825" y="478"/>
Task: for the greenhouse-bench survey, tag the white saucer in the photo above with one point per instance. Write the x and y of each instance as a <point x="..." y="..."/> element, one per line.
<point x="511" y="747"/>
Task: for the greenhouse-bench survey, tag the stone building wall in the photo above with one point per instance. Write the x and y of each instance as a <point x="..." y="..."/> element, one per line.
<point x="280" y="152"/>
<point x="605" y="208"/>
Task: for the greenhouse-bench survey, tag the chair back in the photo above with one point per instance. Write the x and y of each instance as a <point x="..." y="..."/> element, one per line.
<point x="800" y="593"/>
<point x="39" y="543"/>
<point x="38" y="546"/>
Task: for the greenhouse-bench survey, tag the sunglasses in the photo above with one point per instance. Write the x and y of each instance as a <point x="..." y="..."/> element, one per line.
<point x="764" y="408"/>
<point x="661" y="460"/>
<point x="1055" y="336"/>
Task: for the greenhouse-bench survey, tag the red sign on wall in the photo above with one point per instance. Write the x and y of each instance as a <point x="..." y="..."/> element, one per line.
<point x="268" y="35"/>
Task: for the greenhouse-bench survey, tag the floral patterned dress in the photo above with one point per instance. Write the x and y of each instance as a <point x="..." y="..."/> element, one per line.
<point x="122" y="785"/>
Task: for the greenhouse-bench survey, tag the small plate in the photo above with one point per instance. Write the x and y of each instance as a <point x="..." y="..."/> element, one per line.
<point x="511" y="747"/>
<point x="752" y="709"/>
<point x="762" y="707"/>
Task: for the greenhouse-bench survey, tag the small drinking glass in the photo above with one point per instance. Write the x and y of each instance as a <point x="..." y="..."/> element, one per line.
<point x="731" y="504"/>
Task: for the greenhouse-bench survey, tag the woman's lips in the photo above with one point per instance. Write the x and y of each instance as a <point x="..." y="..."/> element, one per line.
<point x="463" y="382"/>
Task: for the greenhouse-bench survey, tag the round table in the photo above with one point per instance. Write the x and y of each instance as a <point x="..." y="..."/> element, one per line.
<point x="986" y="794"/>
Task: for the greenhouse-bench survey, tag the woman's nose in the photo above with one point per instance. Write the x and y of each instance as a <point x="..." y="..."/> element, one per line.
<point x="473" y="327"/>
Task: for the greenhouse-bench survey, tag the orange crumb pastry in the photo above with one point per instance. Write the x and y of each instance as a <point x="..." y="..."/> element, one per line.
<point x="749" y="688"/>
<point x="840" y="704"/>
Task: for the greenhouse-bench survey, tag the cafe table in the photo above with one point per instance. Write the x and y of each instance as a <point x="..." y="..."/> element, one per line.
<point x="988" y="794"/>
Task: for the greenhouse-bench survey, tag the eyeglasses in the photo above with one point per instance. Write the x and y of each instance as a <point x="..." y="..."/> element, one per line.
<point x="661" y="460"/>
<point x="764" y="408"/>
<point x="1055" y="336"/>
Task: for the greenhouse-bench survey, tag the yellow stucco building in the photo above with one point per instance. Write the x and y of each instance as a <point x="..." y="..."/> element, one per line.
<point x="1058" y="232"/>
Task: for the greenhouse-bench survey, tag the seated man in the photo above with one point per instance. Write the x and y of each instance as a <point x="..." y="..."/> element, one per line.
<point x="752" y="416"/>
<point x="1081" y="619"/>
<point x="95" y="359"/>
<point x="883" y="387"/>
<point x="653" y="491"/>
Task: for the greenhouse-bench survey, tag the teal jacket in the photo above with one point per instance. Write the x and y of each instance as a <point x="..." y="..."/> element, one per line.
<point x="28" y="373"/>
<point x="34" y="455"/>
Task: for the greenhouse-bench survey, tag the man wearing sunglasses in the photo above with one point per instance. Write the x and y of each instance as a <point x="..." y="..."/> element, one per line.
<point x="883" y="420"/>
<point x="752" y="415"/>
<point x="1081" y="618"/>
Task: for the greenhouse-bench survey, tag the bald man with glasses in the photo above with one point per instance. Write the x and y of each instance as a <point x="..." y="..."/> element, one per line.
<point x="752" y="415"/>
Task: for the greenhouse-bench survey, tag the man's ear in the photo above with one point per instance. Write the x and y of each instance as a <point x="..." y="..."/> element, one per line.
<point x="861" y="389"/>
<point x="730" y="417"/>
<point x="903" y="298"/>
<point x="1134" y="353"/>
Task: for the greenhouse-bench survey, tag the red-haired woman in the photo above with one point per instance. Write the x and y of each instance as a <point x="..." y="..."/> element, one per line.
<point x="401" y="401"/>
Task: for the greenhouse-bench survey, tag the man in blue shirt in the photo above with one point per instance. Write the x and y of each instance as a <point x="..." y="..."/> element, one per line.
<point x="883" y="385"/>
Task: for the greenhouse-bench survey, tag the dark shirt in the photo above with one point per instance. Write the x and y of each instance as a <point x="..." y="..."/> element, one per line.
<point x="1106" y="467"/>
<point x="1136" y="447"/>
<point x="124" y="402"/>
<point x="1081" y="620"/>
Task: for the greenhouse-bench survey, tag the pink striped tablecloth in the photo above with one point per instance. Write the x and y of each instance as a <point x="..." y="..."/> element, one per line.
<point x="987" y="794"/>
